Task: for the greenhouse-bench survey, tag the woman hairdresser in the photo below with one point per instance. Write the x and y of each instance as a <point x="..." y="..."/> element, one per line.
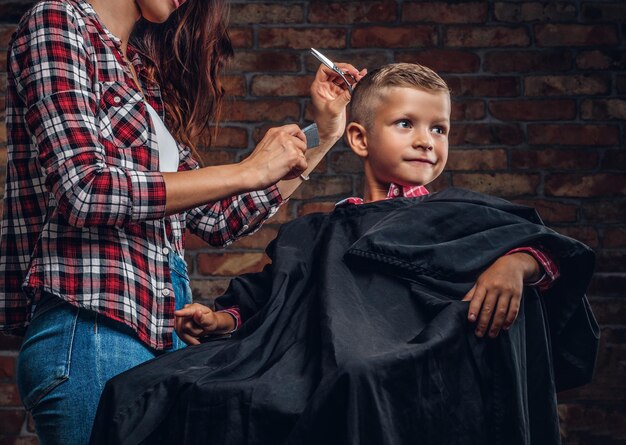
<point x="102" y="181"/>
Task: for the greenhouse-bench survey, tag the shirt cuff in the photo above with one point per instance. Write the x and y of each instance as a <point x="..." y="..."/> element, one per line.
<point x="267" y="203"/>
<point x="550" y="269"/>
<point x="233" y="312"/>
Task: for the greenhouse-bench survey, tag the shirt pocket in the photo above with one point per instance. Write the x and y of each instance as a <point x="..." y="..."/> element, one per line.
<point x="123" y="116"/>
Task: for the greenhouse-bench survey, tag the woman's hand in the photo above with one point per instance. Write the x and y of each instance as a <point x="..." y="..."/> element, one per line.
<point x="330" y="95"/>
<point x="196" y="320"/>
<point x="497" y="294"/>
<point x="279" y="155"/>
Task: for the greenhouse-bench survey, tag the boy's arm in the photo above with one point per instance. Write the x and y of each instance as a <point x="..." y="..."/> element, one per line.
<point x="496" y="296"/>
<point x="196" y="320"/>
<point x="550" y="268"/>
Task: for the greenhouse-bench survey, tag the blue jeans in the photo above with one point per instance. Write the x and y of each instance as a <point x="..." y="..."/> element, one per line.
<point x="68" y="355"/>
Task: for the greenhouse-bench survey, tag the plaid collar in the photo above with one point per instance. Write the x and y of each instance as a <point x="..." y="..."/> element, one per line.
<point x="395" y="191"/>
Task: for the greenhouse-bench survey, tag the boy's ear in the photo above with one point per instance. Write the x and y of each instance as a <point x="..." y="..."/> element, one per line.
<point x="356" y="137"/>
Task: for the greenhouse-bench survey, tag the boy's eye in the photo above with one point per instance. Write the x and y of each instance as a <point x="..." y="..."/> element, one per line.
<point x="439" y="130"/>
<point x="404" y="123"/>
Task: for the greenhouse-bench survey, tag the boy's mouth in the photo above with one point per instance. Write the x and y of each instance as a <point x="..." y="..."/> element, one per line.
<point x="422" y="160"/>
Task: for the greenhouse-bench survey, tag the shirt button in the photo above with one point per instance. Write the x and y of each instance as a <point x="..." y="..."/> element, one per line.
<point x="166" y="292"/>
<point x="165" y="251"/>
<point x="396" y="192"/>
<point x="117" y="99"/>
<point x="245" y="227"/>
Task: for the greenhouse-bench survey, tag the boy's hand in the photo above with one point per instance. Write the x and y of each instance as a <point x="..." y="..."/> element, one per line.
<point x="497" y="294"/>
<point x="196" y="320"/>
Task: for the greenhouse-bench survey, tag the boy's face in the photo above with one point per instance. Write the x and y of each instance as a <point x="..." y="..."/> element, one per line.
<point x="407" y="140"/>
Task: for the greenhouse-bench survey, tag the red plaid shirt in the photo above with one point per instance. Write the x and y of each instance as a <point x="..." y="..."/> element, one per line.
<point x="84" y="205"/>
<point x="551" y="271"/>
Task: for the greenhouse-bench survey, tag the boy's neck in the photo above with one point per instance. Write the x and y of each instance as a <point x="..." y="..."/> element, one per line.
<point x="374" y="191"/>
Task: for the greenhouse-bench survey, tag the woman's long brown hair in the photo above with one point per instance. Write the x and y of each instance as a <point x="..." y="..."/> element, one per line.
<point x="185" y="55"/>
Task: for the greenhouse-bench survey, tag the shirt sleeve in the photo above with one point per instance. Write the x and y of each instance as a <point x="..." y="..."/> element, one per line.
<point x="221" y="222"/>
<point x="233" y="312"/>
<point x="550" y="269"/>
<point x="54" y="75"/>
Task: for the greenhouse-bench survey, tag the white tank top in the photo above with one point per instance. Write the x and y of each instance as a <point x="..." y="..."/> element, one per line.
<point x="168" y="150"/>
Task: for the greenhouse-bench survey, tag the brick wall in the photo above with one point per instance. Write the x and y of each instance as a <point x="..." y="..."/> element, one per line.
<point x="539" y="107"/>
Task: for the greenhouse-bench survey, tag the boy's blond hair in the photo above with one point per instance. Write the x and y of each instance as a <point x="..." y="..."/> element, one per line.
<point x="372" y="86"/>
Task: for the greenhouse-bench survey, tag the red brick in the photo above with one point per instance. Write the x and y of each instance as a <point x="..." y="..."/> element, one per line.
<point x="467" y="110"/>
<point x="603" y="109"/>
<point x="442" y="60"/>
<point x="607" y="420"/>
<point x="194" y="242"/>
<point x="605" y="211"/>
<point x="614" y="237"/>
<point x="285" y="213"/>
<point x="263" y="61"/>
<point x="585" y="234"/>
<point x="444" y="12"/>
<point x="577" y="85"/>
<point x="600" y="184"/>
<point x="575" y="35"/>
<point x="534" y="11"/>
<point x="281" y="85"/>
<point x="231" y="137"/>
<point x="484" y="86"/>
<point x="463" y="160"/>
<point x="346" y="162"/>
<point x="607" y="285"/>
<point x="7" y="366"/>
<point x="259" y="239"/>
<point x="255" y="13"/>
<point x="234" y="85"/>
<point x="12" y="11"/>
<point x="348" y="13"/>
<point x="600" y="60"/>
<point x="498" y="184"/>
<point x="527" y="61"/>
<point x="241" y="37"/>
<point x="9" y="395"/>
<point x="230" y="264"/>
<point x="316" y="207"/>
<point x="262" y="111"/>
<point x="554" y="159"/>
<point x="214" y="156"/>
<point x="485" y="36"/>
<point x="597" y="135"/>
<point x="605" y="12"/>
<point x="552" y="211"/>
<point x="325" y="186"/>
<point x="11" y="420"/>
<point x="610" y="311"/>
<point x="533" y="110"/>
<point x="614" y="160"/>
<point x="206" y="291"/>
<point x="620" y="84"/>
<point x="371" y="59"/>
<point x="302" y="38"/>
<point x="394" y="36"/>
<point x="485" y="134"/>
<point x="444" y="181"/>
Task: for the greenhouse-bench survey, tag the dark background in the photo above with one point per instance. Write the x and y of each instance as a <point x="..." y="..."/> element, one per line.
<point x="539" y="93"/>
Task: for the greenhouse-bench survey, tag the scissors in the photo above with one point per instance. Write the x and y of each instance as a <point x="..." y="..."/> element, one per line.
<point x="326" y="61"/>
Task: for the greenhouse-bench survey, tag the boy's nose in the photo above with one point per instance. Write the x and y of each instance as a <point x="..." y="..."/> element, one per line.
<point x="423" y="139"/>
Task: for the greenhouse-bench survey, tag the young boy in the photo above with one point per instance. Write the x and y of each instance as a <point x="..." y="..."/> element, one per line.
<point x="358" y="332"/>
<point x="399" y="126"/>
